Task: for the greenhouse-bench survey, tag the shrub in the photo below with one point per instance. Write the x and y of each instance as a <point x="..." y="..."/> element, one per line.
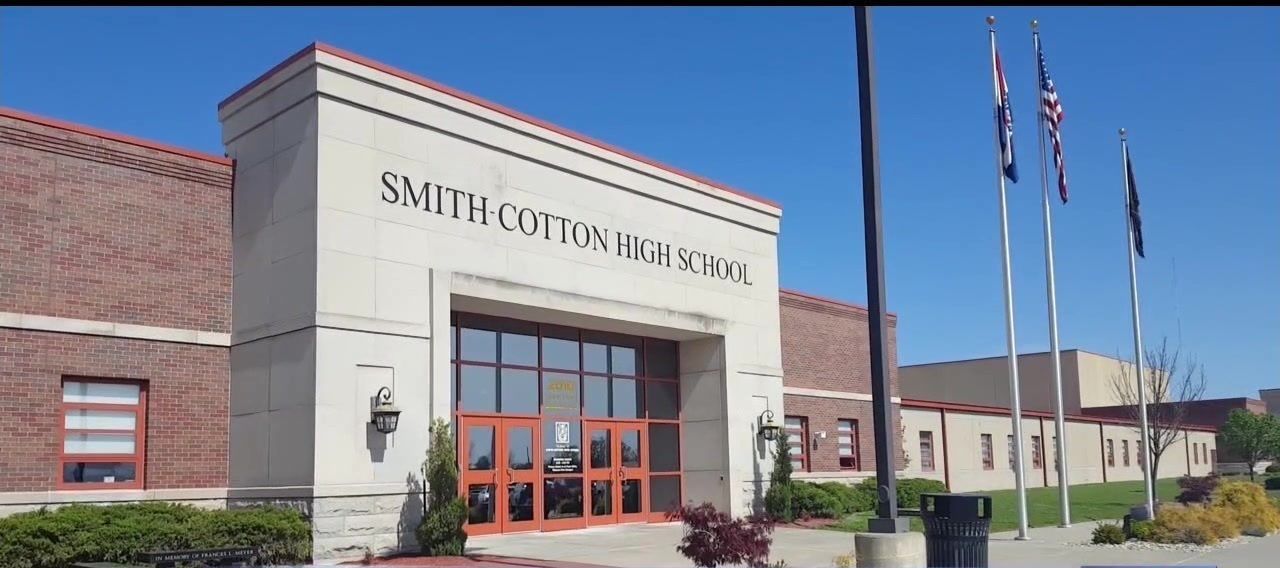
<point x="1248" y="505"/>
<point x="440" y="532"/>
<point x="1108" y="533"/>
<point x="1272" y="483"/>
<point x="118" y="533"/>
<point x="852" y="499"/>
<point x="1196" y="489"/>
<point x="1193" y="524"/>
<point x="1143" y="530"/>
<point x="1273" y="468"/>
<point x="909" y="490"/>
<point x="844" y="561"/>
<point x="777" y="500"/>
<point x="809" y="500"/>
<point x="713" y="538"/>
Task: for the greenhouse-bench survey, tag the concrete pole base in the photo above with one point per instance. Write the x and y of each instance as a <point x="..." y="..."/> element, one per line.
<point x="889" y="550"/>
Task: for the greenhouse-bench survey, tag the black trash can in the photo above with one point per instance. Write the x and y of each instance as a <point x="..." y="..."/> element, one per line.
<point x="956" y="529"/>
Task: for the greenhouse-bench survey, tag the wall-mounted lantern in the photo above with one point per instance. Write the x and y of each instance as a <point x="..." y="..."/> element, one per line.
<point x="385" y="415"/>
<point x="768" y="428"/>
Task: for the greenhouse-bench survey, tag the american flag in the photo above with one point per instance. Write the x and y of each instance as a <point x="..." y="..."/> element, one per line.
<point x="1051" y="107"/>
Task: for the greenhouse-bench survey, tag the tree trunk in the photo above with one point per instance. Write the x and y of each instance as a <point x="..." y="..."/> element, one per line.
<point x="1155" y="469"/>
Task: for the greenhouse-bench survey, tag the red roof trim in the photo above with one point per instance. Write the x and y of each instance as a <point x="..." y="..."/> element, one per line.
<point x="807" y="295"/>
<point x="108" y="135"/>
<point x="1001" y="411"/>
<point x="491" y="106"/>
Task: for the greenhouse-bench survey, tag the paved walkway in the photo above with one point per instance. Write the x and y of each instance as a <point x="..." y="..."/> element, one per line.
<point x="653" y="546"/>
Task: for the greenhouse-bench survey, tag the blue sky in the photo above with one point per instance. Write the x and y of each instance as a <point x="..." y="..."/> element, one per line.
<point x="765" y="99"/>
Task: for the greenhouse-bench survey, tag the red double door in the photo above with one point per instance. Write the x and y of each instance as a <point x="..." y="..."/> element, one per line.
<point x="508" y="488"/>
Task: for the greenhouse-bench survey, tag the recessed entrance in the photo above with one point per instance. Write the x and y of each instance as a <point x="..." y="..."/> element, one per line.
<point x="563" y="428"/>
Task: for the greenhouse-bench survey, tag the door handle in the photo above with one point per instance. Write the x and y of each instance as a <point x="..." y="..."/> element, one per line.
<point x="622" y="472"/>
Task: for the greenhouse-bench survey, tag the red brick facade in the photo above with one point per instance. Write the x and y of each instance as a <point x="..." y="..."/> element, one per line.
<point x="101" y="227"/>
<point x="826" y="347"/>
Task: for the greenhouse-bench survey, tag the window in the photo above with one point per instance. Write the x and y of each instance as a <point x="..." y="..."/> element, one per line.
<point x="1111" y="452"/>
<point x="1037" y="453"/>
<point x="1196" y="450"/>
<point x="1055" y="453"/>
<point x="797" y="431"/>
<point x="847" y="443"/>
<point x="1124" y="452"/>
<point x="1204" y="448"/>
<point x="104" y="425"/>
<point x="926" y="451"/>
<point x="1140" y="453"/>
<point x="988" y="457"/>
<point x="1011" y="452"/>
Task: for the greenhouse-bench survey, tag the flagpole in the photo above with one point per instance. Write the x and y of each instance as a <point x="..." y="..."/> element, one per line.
<point x="1137" y="332"/>
<point x="1059" y="423"/>
<point x="1014" y="396"/>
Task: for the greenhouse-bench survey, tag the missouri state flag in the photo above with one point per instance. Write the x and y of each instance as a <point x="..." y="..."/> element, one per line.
<point x="1004" y="125"/>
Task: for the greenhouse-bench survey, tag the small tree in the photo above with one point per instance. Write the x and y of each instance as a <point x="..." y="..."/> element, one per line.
<point x="712" y="538"/>
<point x="1253" y="437"/>
<point x="440" y="533"/>
<point x="777" y="500"/>
<point x="1172" y="381"/>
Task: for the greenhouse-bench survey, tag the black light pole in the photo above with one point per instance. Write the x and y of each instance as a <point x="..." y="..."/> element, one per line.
<point x="887" y="520"/>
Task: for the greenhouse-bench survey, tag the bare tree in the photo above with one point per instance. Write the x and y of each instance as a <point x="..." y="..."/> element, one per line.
<point x="1172" y="381"/>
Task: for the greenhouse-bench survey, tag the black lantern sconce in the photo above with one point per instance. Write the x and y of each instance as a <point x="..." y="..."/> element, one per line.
<point x="385" y="415"/>
<point x="768" y="428"/>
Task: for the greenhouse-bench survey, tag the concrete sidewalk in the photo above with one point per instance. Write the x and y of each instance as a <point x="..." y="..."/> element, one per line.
<point x="654" y="546"/>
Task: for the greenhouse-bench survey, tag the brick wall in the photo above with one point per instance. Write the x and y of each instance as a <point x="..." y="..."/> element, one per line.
<point x="98" y="226"/>
<point x="826" y="346"/>
<point x="187" y="415"/>
<point x="98" y="229"/>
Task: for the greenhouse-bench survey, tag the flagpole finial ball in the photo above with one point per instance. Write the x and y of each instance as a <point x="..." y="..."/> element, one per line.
<point x="1035" y="24"/>
<point x="1122" y="133"/>
<point x="991" y="20"/>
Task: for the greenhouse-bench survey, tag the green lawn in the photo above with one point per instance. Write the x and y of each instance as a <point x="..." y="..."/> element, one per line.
<point x="1088" y="502"/>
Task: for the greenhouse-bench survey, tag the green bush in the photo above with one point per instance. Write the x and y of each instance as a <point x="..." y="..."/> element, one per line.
<point x="1108" y="533"/>
<point x="809" y="500"/>
<point x="440" y="533"/>
<point x="1143" y="530"/>
<point x="909" y="490"/>
<point x="118" y="533"/>
<point x="852" y="499"/>
<point x="777" y="500"/>
<point x="1272" y="483"/>
<point x="1273" y="468"/>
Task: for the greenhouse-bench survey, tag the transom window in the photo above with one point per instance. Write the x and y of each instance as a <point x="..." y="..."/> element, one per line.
<point x="103" y="431"/>
<point x="797" y="432"/>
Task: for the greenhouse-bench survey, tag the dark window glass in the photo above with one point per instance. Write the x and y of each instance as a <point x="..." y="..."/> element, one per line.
<point x="562" y="497"/>
<point x="664" y="447"/>
<point x="625" y="359"/>
<point x="559" y="353"/>
<point x="520" y="448"/>
<point x="601" y="449"/>
<point x="480" y="504"/>
<point x="601" y="498"/>
<point x="480" y="345"/>
<point x="520" y="501"/>
<point x="84" y="472"/>
<point x="562" y="446"/>
<point x="631" y="496"/>
<point x="560" y="394"/>
<point x="453" y="343"/>
<point x="480" y="448"/>
<point x="595" y="358"/>
<point x="631" y="448"/>
<point x="664" y="493"/>
<point x="519" y="349"/>
<point x="628" y="398"/>
<point x="662" y="400"/>
<point x="595" y="396"/>
<point x="519" y="391"/>
<point x="479" y="388"/>
<point x="660" y="359"/>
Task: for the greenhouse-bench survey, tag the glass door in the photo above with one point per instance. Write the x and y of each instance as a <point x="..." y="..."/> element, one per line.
<point x="633" y="473"/>
<point x="478" y="447"/>
<point x="602" y="473"/>
<point x="521" y="462"/>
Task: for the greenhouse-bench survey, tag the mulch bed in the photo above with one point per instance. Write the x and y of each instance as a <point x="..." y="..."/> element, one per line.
<point x="810" y="523"/>
<point x="472" y="561"/>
